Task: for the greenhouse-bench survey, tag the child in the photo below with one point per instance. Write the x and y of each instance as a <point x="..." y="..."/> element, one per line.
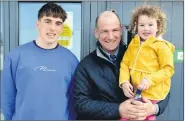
<point x="148" y="61"/>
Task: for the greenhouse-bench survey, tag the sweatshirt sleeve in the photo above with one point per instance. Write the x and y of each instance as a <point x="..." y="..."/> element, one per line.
<point x="72" y="113"/>
<point x="165" y="58"/>
<point x="124" y="68"/>
<point x="8" y="89"/>
<point x="86" y="106"/>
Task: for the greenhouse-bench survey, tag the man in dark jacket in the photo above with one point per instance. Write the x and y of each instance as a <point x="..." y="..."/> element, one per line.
<point x="97" y="94"/>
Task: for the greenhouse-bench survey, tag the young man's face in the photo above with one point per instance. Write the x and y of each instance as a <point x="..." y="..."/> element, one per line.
<point x="49" y="29"/>
<point x="146" y="26"/>
<point x="109" y="33"/>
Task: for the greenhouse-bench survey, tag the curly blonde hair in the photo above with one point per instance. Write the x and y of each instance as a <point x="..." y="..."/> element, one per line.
<point x="150" y="11"/>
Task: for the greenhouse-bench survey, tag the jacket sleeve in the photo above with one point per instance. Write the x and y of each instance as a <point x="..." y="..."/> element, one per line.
<point x="8" y="90"/>
<point x="163" y="104"/>
<point x="124" y="68"/>
<point x="165" y="58"/>
<point x="86" y="106"/>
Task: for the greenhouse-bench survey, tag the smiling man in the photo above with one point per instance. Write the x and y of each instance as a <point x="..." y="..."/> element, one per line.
<point x="37" y="77"/>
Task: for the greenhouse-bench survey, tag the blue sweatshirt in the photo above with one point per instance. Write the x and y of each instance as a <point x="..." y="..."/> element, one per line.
<point x="37" y="84"/>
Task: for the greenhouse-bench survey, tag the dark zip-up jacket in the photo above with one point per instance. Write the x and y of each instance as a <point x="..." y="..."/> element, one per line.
<point x="97" y="93"/>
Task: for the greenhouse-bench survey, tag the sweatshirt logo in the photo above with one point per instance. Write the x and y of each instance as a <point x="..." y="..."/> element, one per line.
<point x="43" y="68"/>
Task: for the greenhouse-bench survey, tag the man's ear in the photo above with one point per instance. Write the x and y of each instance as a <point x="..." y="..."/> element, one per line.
<point x="62" y="28"/>
<point x="96" y="33"/>
<point x="121" y="29"/>
<point x="37" y="24"/>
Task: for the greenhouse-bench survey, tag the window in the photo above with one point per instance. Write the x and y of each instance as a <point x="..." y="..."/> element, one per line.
<point x="71" y="39"/>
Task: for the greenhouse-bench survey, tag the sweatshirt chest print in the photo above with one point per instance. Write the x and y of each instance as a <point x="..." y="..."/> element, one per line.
<point x="43" y="68"/>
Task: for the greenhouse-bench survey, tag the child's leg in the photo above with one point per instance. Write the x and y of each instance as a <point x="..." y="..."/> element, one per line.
<point x="123" y="119"/>
<point x="152" y="117"/>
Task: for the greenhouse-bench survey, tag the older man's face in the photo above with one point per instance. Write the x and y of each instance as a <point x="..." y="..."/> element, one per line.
<point x="108" y="33"/>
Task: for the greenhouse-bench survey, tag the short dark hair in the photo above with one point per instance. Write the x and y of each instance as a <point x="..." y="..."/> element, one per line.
<point x="113" y="11"/>
<point x="52" y="9"/>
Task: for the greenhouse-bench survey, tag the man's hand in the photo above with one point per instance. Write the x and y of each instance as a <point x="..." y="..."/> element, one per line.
<point x="127" y="89"/>
<point x="133" y="110"/>
<point x="145" y="84"/>
<point x="150" y="108"/>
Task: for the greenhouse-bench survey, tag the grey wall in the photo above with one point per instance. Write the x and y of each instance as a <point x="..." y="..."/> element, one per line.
<point x="174" y="34"/>
<point x="9" y="25"/>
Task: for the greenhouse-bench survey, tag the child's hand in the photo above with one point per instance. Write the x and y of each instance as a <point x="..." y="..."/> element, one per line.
<point x="127" y="89"/>
<point x="145" y="84"/>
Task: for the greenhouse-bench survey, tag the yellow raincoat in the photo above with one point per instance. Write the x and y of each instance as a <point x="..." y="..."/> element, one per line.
<point x="153" y="60"/>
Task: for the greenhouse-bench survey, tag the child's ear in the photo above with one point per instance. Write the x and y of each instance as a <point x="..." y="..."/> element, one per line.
<point x="135" y="27"/>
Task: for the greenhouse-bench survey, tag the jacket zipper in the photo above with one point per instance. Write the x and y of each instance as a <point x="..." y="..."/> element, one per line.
<point x="136" y="58"/>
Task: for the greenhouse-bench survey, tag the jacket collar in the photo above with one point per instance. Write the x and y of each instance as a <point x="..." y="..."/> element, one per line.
<point x="150" y="40"/>
<point x="101" y="54"/>
<point x="119" y="53"/>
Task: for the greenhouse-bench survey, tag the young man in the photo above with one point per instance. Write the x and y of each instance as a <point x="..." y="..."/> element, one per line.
<point x="37" y="78"/>
<point x="97" y="93"/>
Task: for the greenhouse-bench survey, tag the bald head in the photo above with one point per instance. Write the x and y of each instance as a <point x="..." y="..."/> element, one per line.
<point x="107" y="15"/>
